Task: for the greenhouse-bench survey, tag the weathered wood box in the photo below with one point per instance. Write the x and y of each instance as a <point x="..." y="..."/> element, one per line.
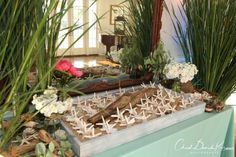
<point x="105" y="142"/>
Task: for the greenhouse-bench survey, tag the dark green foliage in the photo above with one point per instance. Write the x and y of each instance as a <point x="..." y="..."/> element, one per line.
<point x="131" y="58"/>
<point x="139" y="25"/>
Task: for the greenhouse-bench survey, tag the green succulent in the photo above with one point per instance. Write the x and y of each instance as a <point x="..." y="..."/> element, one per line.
<point x="42" y="151"/>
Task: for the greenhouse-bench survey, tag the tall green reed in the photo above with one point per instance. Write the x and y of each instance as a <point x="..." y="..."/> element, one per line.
<point x="206" y="33"/>
<point x="19" y="40"/>
<point x="139" y="25"/>
<point x="28" y="38"/>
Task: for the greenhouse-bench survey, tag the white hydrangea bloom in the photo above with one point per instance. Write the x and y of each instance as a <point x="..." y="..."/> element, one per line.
<point x="68" y="102"/>
<point x="50" y="91"/>
<point x="184" y="72"/>
<point x="48" y="103"/>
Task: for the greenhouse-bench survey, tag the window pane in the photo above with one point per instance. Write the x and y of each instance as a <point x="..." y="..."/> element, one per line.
<point x="92" y="19"/>
<point x="79" y="20"/>
<point x="63" y="31"/>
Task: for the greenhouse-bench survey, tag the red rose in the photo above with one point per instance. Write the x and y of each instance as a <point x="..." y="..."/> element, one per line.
<point x="75" y="72"/>
<point x="63" y="65"/>
<point x="67" y="66"/>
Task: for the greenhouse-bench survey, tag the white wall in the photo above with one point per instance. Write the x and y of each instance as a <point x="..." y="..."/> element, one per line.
<point x="168" y="32"/>
<point x="106" y="28"/>
<point x="104" y="7"/>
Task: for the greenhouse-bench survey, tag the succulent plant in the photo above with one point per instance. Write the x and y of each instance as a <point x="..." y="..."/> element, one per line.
<point x="42" y="151"/>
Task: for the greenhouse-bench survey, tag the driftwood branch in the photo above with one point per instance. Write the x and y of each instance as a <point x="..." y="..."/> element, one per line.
<point x="46" y="138"/>
<point x="123" y="103"/>
<point x="5" y="154"/>
<point x="20" y="150"/>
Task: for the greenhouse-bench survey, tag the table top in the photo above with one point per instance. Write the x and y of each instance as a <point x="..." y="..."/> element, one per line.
<point x="205" y="135"/>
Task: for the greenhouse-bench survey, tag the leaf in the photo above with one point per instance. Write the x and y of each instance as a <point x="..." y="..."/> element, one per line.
<point x="63" y="144"/>
<point x="49" y="154"/>
<point x="40" y="149"/>
<point x="51" y="147"/>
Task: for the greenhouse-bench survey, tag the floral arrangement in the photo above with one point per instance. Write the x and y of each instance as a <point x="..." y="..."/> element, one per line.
<point x="67" y="66"/>
<point x="183" y="71"/>
<point x="48" y="103"/>
<point x="65" y="72"/>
